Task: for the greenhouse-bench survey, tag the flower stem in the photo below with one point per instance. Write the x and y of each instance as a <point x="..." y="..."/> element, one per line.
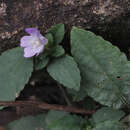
<point x="65" y="95"/>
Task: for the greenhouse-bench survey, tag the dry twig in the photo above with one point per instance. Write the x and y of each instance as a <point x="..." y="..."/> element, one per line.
<point x="45" y="106"/>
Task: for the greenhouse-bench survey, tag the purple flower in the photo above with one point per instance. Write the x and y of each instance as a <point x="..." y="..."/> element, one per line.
<point x="33" y="44"/>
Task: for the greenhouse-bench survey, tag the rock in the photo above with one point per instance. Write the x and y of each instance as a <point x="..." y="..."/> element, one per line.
<point x="97" y="16"/>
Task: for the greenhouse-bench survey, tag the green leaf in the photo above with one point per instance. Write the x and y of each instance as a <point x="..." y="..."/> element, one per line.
<point x="109" y="125"/>
<point x="50" y="40"/>
<point x="128" y="128"/>
<point x="106" y="113"/>
<point x="65" y="122"/>
<point x="89" y="128"/>
<point x="15" y="72"/>
<point x="105" y="70"/>
<point x="41" y="62"/>
<point x="58" y="33"/>
<point x="77" y="95"/>
<point x="108" y="119"/>
<point x="58" y="51"/>
<point x="65" y="71"/>
<point x="28" y="123"/>
<point x="68" y="122"/>
<point x="54" y="115"/>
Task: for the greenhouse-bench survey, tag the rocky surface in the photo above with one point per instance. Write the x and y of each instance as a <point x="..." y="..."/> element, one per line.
<point x="104" y="17"/>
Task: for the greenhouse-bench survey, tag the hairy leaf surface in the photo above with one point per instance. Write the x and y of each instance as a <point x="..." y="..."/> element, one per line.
<point x="15" y="72"/>
<point x="109" y="125"/>
<point x="58" y="51"/>
<point x="65" y="71"/>
<point x="108" y="119"/>
<point x="28" y="123"/>
<point x="58" y="33"/>
<point x="104" y="69"/>
<point x="41" y="62"/>
<point x="106" y="113"/>
<point x="64" y="121"/>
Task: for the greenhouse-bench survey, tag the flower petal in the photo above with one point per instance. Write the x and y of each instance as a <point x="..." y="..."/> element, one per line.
<point x="29" y="52"/>
<point x="25" y="41"/>
<point x="32" y="31"/>
<point x="45" y="41"/>
<point x="39" y="50"/>
<point x="34" y="44"/>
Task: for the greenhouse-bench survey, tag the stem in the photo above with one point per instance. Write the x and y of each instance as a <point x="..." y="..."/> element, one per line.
<point x="34" y="63"/>
<point x="45" y="106"/>
<point x="65" y="95"/>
